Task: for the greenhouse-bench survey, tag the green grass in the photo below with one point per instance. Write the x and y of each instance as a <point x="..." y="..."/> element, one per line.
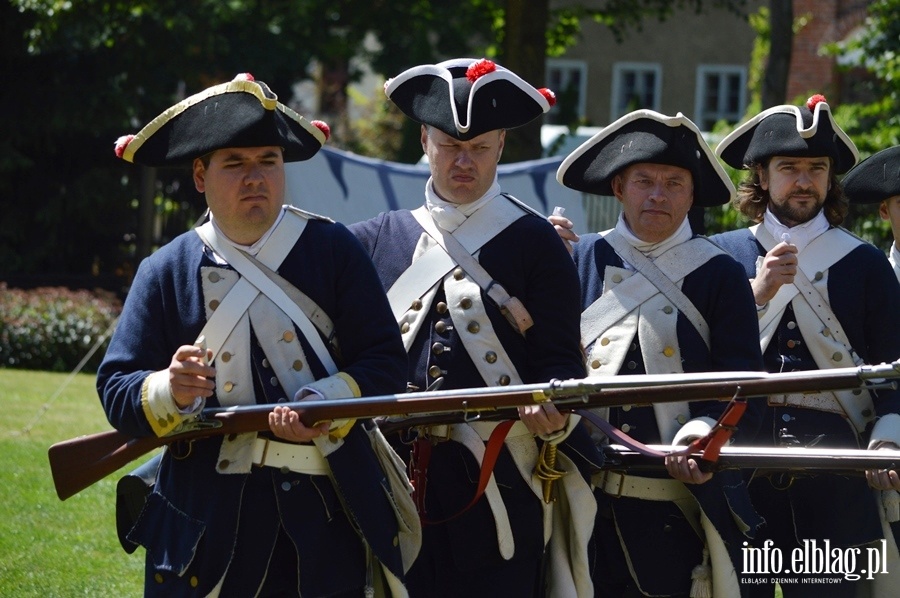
<point x="49" y="547"/>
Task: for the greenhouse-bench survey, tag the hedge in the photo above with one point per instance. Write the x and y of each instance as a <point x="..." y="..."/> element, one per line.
<point x="54" y="328"/>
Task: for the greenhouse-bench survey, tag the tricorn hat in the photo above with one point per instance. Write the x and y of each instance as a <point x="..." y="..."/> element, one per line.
<point x="241" y="113"/>
<point x="874" y="179"/>
<point x="646" y="136"/>
<point x="465" y="97"/>
<point x="796" y="131"/>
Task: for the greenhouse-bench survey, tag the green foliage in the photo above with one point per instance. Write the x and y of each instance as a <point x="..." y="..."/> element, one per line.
<point x="54" y="328"/>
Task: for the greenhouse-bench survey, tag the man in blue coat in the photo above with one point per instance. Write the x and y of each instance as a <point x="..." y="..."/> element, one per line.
<point x="657" y="299"/>
<point x="484" y="294"/>
<point x="824" y="299"/>
<point x="262" y="304"/>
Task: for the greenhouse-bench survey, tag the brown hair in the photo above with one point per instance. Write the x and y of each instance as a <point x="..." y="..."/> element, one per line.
<point x="751" y="199"/>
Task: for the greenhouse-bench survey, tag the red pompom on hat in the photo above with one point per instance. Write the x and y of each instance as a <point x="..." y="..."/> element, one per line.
<point x="322" y="126"/>
<point x="244" y="77"/>
<point x="480" y="69"/>
<point x="815" y="99"/>
<point x="121" y="143"/>
<point x="548" y="93"/>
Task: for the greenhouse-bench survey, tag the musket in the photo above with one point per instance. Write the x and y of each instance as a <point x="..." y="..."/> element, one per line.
<point x="83" y="461"/>
<point x="775" y="459"/>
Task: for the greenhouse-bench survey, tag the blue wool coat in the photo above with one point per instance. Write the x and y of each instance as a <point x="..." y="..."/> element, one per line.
<point x="531" y="263"/>
<point x="864" y="295"/>
<point x="190" y="521"/>
<point x="663" y="566"/>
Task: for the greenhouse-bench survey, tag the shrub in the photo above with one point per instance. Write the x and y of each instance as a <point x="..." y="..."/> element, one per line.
<point x="54" y="328"/>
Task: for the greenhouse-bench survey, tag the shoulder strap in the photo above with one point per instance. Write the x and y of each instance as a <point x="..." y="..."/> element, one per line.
<point x="241" y="262"/>
<point x="661" y="281"/>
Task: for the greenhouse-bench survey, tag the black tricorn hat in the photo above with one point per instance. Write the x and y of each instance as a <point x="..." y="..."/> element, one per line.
<point x="796" y="131"/>
<point x="874" y="179"/>
<point x="645" y="136"/>
<point x="465" y="98"/>
<point x="240" y="113"/>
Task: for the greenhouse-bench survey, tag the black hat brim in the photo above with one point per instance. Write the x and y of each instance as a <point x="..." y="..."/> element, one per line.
<point x="435" y="95"/>
<point x="646" y="136"/>
<point x="875" y="179"/>
<point x="781" y="131"/>
<point x="235" y="114"/>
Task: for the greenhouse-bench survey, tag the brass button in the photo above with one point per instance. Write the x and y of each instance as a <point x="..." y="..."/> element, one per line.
<point x="404" y="327"/>
<point x="297" y="365"/>
<point x="225" y="356"/>
<point x="437" y="348"/>
<point x="792" y="343"/>
<point x="595" y="364"/>
<point x="214" y="304"/>
<point x="490" y="357"/>
<point x="465" y="303"/>
<point x="416" y="305"/>
<point x="631" y="365"/>
<point x="265" y="363"/>
<point x="818" y="276"/>
<point x="866" y="412"/>
<point x="441" y="307"/>
<point x="158" y="578"/>
<point x="791" y="325"/>
<point x="504" y="380"/>
<point x="162" y="422"/>
<point x="273" y="381"/>
<point x="434" y="371"/>
<point x="194" y="581"/>
<point x="626" y="407"/>
<point x="473" y="327"/>
<point x="228" y="386"/>
<point x="681" y="419"/>
<point x="288" y="336"/>
<point x="837" y="357"/>
<point x="214" y="277"/>
<point x="826" y="332"/>
<point x="668" y="309"/>
<point x="668" y="351"/>
<point x="458" y="274"/>
<point x="440" y="327"/>
<point x="396" y="541"/>
<point x="857" y="392"/>
<point x="633" y="347"/>
<point x="285" y="486"/>
<point x="604" y="341"/>
<point x="617" y="278"/>
<point x="625" y="428"/>
<point x="224" y="463"/>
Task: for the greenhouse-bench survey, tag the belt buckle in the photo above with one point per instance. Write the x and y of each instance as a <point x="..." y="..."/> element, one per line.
<point x="621" y="484"/>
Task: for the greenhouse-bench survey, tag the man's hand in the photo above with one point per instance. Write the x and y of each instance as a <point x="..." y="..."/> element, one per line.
<point x="543" y="419"/>
<point x="189" y="376"/>
<point x="685" y="469"/>
<point x="285" y="424"/>
<point x="563" y="228"/>
<point x="779" y="267"/>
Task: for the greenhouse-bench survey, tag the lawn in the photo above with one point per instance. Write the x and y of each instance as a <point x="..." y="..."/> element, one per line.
<point x="49" y="547"/>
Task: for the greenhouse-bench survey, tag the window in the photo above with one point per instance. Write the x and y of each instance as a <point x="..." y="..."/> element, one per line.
<point x="636" y="85"/>
<point x="568" y="80"/>
<point x="721" y="94"/>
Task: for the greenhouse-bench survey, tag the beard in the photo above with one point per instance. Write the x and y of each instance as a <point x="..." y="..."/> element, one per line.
<point x="792" y="215"/>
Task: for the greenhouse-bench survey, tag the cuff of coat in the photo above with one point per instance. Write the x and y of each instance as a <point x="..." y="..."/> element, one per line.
<point x="338" y="386"/>
<point x="561" y="435"/>
<point x="886" y="429"/>
<point x="160" y="409"/>
<point x="694" y="429"/>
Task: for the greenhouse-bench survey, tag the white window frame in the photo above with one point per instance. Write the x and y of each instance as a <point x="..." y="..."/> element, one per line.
<point x="620" y="69"/>
<point x="700" y="114"/>
<point x="567" y="67"/>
